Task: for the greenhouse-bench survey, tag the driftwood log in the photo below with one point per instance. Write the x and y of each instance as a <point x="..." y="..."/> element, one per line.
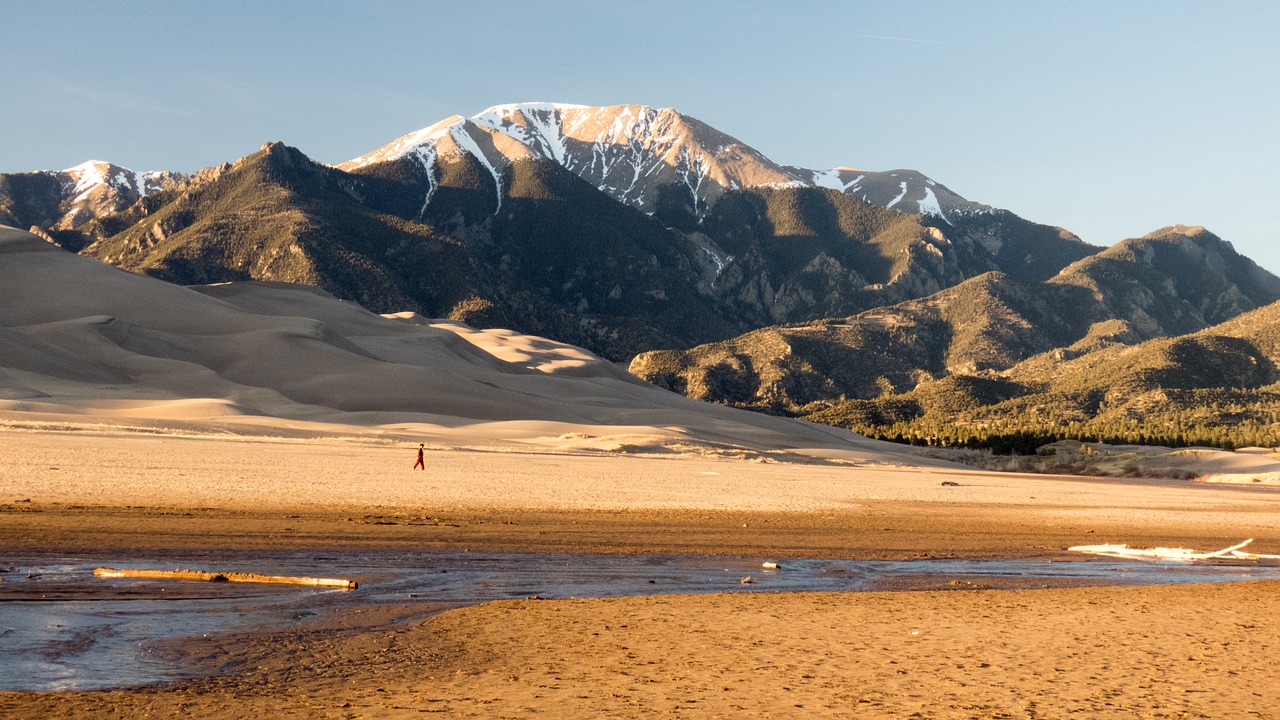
<point x="1182" y="554"/>
<point x="205" y="576"/>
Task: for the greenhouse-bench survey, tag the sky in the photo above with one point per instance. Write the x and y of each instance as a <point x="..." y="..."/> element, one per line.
<point x="1111" y="119"/>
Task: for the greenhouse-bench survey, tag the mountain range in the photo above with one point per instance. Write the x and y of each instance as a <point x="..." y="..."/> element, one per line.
<point x="1175" y="281"/>
<point x="642" y="156"/>
<point x="519" y="217"/>
<point x="648" y="236"/>
<point x="1168" y="338"/>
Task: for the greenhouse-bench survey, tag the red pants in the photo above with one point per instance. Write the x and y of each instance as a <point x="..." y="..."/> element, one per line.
<point x="419" y="464"/>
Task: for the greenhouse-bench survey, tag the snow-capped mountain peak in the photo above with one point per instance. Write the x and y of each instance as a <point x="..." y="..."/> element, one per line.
<point x="629" y="151"/>
<point x="95" y="188"/>
<point x="93" y="174"/>
<point x="87" y="176"/>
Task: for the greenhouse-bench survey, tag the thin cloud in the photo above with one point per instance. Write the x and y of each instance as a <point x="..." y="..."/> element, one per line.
<point x="117" y="101"/>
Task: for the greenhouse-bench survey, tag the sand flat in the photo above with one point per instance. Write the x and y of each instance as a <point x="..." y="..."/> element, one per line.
<point x="1189" y="651"/>
<point x="113" y="467"/>
<point x="232" y="491"/>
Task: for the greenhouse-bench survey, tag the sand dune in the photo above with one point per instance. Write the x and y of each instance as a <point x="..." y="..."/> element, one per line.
<point x="80" y="339"/>
<point x="83" y="342"/>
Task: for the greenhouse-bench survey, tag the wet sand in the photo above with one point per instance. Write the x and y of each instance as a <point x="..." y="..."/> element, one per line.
<point x="1191" y="651"/>
<point x="1188" y="651"/>
<point x="889" y="531"/>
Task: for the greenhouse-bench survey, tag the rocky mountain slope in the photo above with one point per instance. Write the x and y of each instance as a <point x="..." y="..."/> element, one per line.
<point x="64" y="200"/>
<point x="770" y="243"/>
<point x="501" y="220"/>
<point x="1125" y="381"/>
<point x="678" y="169"/>
<point x="1215" y="387"/>
<point x="276" y="215"/>
<point x="1175" y="281"/>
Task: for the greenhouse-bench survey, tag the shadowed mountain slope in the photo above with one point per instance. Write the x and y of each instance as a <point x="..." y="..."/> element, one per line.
<point x="1175" y="280"/>
<point x="993" y="338"/>
<point x="1218" y="386"/>
<point x="778" y="244"/>
<point x="1208" y="388"/>
<point x="275" y="215"/>
<point x="548" y="254"/>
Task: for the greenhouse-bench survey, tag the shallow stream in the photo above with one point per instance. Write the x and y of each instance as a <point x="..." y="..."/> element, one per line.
<point x="61" y="628"/>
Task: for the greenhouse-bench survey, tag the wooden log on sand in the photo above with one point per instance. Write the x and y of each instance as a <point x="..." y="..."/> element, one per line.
<point x="205" y="576"/>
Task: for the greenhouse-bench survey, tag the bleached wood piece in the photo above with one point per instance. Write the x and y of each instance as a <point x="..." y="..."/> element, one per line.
<point x="206" y="576"/>
<point x="1160" y="553"/>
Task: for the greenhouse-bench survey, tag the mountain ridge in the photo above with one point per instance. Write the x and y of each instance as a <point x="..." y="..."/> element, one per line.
<point x="66" y="199"/>
<point x="531" y="248"/>
<point x="538" y="249"/>
<point x="628" y="151"/>
<point x="1159" y="286"/>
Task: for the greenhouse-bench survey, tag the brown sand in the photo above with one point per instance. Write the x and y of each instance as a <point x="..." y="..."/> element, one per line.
<point x="1190" y="651"/>
<point x="1194" y="651"/>
<point x="73" y="492"/>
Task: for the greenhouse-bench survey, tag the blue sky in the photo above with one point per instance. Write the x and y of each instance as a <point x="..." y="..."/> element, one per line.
<point x="1108" y="118"/>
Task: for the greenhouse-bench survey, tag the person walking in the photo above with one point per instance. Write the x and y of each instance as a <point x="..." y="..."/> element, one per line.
<point x="420" y="463"/>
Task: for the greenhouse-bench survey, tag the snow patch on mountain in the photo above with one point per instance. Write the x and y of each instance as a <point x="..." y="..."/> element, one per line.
<point x="895" y="201"/>
<point x="538" y="125"/>
<point x="407" y="145"/>
<point x="426" y="155"/>
<point x="83" y="179"/>
<point x="86" y="176"/>
<point x="95" y="188"/>
<point x="468" y="144"/>
<point x="716" y="260"/>
<point x="836" y="179"/>
<point x="930" y="206"/>
<point x="629" y="151"/>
